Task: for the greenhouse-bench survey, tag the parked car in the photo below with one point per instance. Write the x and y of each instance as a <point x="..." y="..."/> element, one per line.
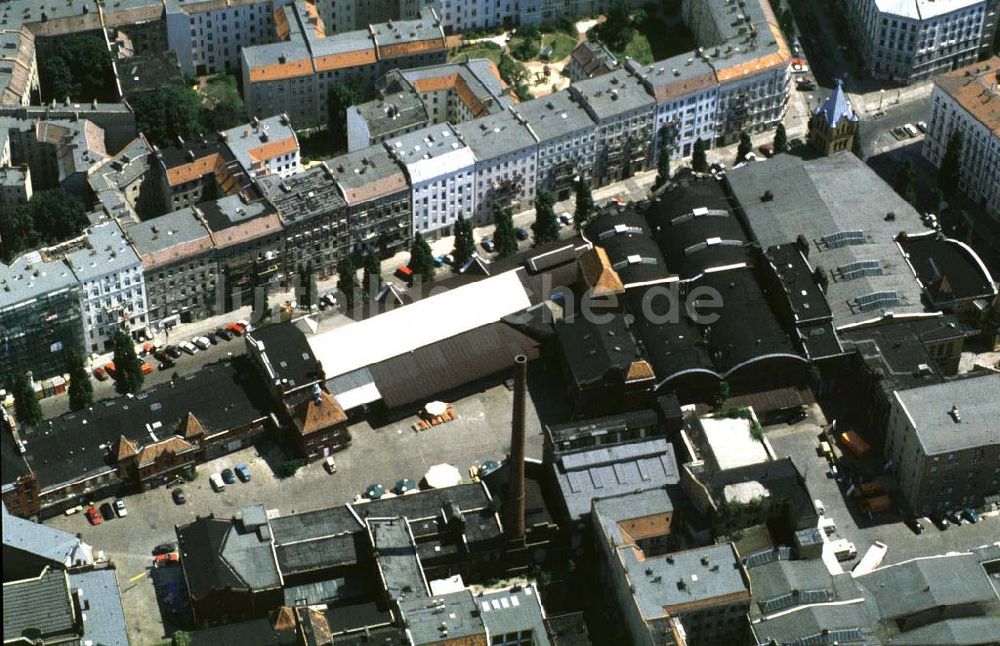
<point x="109" y="367"/>
<point x="179" y="496"/>
<point x="94" y="516"/>
<point x="910" y="129"/>
<point x="188" y="347"/>
<point x="330" y="465"/>
<point x="213" y="338"/>
<point x="100" y="373"/>
<point x="243" y="323"/>
<point x="521" y="233"/>
<point x="234" y="329"/>
<point x="171" y="558"/>
<point x="954" y="517"/>
<point x="107" y="512"/>
<point x="173" y="351"/>
<point x="915" y="525"/>
<point x="146" y="368"/>
<point x="940" y="521"/>
<point x="228" y="476"/>
<point x="806" y="85"/>
<point x="164" y="548"/>
<point x="971" y="515"/>
<point x="565" y="219"/>
<point x="767" y="150"/>
<point x="922" y="126"/>
<point x="449" y="259"/>
<point x="242" y="472"/>
<point x="488" y="245"/>
<point x="404" y="273"/>
<point x="718" y="167"/>
<point x="167" y="364"/>
<point x="201" y="342"/>
<point x="438" y="260"/>
<point x="224" y="334"/>
<point x="120" y="508"/>
<point x="218" y="484"/>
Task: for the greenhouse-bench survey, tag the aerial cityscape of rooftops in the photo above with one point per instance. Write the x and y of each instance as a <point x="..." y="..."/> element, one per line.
<point x="476" y="322"/>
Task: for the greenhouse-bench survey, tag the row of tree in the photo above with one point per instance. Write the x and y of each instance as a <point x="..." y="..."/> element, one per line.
<point x="127" y="375"/>
<point x="173" y="111"/>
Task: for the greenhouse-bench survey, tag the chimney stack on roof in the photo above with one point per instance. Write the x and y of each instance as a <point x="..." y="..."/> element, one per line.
<point x="515" y="487"/>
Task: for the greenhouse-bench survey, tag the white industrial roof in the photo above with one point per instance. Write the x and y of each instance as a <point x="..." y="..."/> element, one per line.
<point x="922" y="9"/>
<point x="426" y="321"/>
<point x="453" y="161"/>
<point x="732" y="443"/>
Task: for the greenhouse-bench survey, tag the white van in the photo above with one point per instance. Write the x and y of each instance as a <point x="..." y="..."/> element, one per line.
<point x="218" y="484"/>
<point x="188" y="347"/>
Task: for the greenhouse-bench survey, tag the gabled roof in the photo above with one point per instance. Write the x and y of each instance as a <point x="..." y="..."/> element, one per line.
<point x="126" y="448"/>
<point x="190" y="427"/>
<point x="837" y="107"/>
<point x="316" y="414"/>
<point x="600" y="278"/>
<point x="152" y="453"/>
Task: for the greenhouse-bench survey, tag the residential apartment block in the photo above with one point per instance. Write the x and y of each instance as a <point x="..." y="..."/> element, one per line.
<point x="967" y="101"/>
<point x="265" y="146"/>
<point x="442" y="172"/>
<point x="911" y="40"/>
<point x="567" y="140"/>
<point x="944" y="444"/>
<point x="294" y="76"/>
<point x="207" y="35"/>
<point x="18" y="65"/>
<point x="506" y="153"/>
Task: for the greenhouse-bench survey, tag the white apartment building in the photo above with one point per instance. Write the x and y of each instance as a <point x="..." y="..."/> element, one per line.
<point x="506" y="153"/>
<point x="265" y="147"/>
<point x="967" y="101"/>
<point x="750" y="101"/>
<point x="442" y="171"/>
<point x="686" y="96"/>
<point x="912" y="40"/>
<point x="113" y="290"/>
<point x="567" y="140"/>
<point x="207" y="35"/>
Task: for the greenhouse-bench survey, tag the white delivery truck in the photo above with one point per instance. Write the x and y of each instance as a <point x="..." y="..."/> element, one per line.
<point x="218" y="484"/>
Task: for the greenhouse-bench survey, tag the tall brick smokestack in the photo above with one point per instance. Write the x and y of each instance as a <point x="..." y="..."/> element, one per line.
<point x="514" y="520"/>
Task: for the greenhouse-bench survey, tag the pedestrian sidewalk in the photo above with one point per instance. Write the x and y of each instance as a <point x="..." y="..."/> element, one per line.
<point x="868" y="105"/>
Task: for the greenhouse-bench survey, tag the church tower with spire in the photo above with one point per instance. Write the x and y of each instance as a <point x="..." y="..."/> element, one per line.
<point x="834" y="124"/>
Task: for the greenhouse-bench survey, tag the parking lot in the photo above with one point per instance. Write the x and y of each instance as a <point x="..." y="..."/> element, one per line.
<point x="800" y="442"/>
<point x="377" y="455"/>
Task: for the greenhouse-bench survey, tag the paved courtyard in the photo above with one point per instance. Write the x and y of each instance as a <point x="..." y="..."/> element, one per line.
<point x="800" y="442"/>
<point x="384" y="455"/>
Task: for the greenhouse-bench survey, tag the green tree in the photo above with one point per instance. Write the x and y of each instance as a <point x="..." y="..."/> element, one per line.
<point x="422" y="258"/>
<point x="503" y="233"/>
<point x="722" y="394"/>
<point x="223" y="107"/>
<point x="55" y="215"/>
<point x="307" y="285"/>
<point x="780" y="139"/>
<point x="745" y="147"/>
<point x="128" y="369"/>
<point x="81" y="390"/>
<point x="616" y="31"/>
<point x="339" y="97"/>
<point x="17" y="233"/>
<point x="515" y="75"/>
<point x="584" y="203"/>
<point x="372" y="276"/>
<point x="950" y="170"/>
<point x="168" y="112"/>
<point x="465" y="244"/>
<point x="181" y="638"/>
<point x="662" y="167"/>
<point x="906" y="183"/>
<point x="26" y="406"/>
<point x="79" y="67"/>
<point x="346" y="274"/>
<point x="699" y="162"/>
<point x="545" y="227"/>
<point x="527" y="44"/>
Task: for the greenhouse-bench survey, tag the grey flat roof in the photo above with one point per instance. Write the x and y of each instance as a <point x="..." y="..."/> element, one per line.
<point x="107" y="252"/>
<point x="495" y="135"/>
<point x="635" y="504"/>
<point x="28" y="277"/>
<point x="612" y="470"/>
<point x="930" y="409"/>
<point x="554" y="116"/>
<point x="614" y="93"/>
<point x="41" y="604"/>
<point x="681" y="578"/>
<point x="46" y="542"/>
<point x="423" y="617"/>
<point x="433" y="141"/>
<point x="166" y="231"/>
<point x="397" y="560"/>
<point x="395" y="32"/>
<point x="806" y="625"/>
<point x="516" y="610"/>
<point x="399" y="107"/>
<point x="835" y="195"/>
<point x="105" y="617"/>
<point x="965" y="631"/>
<point x="245" y="137"/>
<point x="303" y="195"/>
<point x="358" y="174"/>
<point x="930" y="583"/>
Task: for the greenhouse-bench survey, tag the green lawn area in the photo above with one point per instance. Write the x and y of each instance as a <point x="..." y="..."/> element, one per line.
<point x="475" y="51"/>
<point x="653" y="41"/>
<point x="562" y="45"/>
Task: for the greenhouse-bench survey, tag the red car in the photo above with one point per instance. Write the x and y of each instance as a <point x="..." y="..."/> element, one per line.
<point x="100" y="373"/>
<point x="767" y="150"/>
<point x="170" y="558"/>
<point x="236" y="329"/>
<point x="94" y="516"/>
<point x="146" y="368"/>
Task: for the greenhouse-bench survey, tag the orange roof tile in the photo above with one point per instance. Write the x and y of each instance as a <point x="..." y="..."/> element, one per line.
<point x="281" y="23"/>
<point x="280" y="71"/>
<point x="435" y="83"/>
<point x="412" y="47"/>
<point x="599" y="276"/>
<point x="126" y="448"/>
<point x="174" y="444"/>
<point x="249" y="230"/>
<point x="977" y="93"/>
<point x="468" y="97"/>
<point x="190" y="427"/>
<point x="378" y="188"/>
<point x="273" y="149"/>
<point x="192" y="170"/>
<point x="345" y="60"/>
<point x="640" y="370"/>
<point x="311" y="417"/>
<point x="781" y="58"/>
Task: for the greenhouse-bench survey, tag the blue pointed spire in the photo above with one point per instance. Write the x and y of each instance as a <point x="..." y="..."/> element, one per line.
<point x="837" y="107"/>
